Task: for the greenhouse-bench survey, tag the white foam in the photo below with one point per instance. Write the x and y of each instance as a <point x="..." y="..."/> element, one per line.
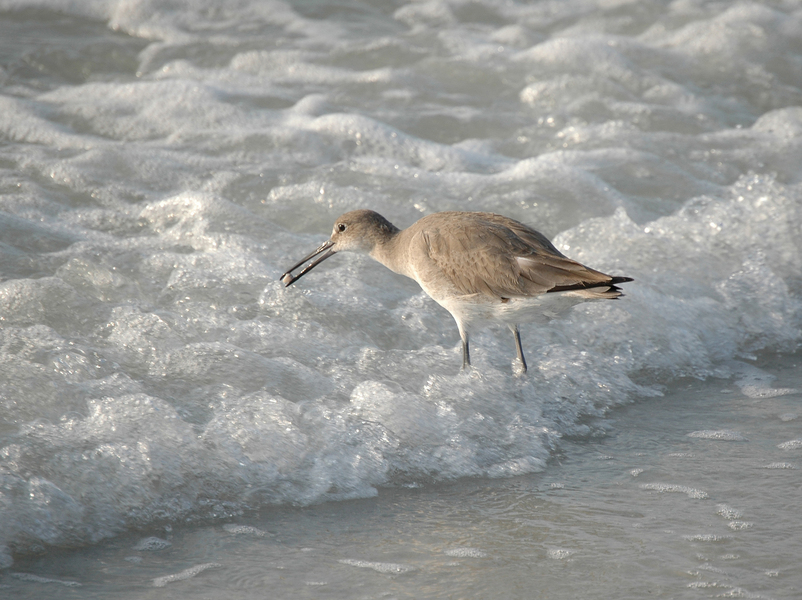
<point x="185" y="574"/>
<point x="728" y="512"/>
<point x="151" y="544"/>
<point x="381" y="567"/>
<point x="706" y="537"/>
<point x="30" y="577"/>
<point x="694" y="493"/>
<point x="756" y="383"/>
<point x="244" y="530"/>
<point x="387" y="143"/>
<point x="726" y="435"/>
<point x="465" y="552"/>
<point x="762" y="392"/>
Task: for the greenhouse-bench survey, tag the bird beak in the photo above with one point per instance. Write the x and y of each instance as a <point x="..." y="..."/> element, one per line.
<point x="288" y="278"/>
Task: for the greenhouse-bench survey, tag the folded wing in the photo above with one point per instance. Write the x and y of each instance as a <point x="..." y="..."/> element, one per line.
<point x="484" y="253"/>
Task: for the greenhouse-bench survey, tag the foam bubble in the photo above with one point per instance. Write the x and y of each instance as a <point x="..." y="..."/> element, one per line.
<point x="152" y="544"/>
<point x="728" y="512"/>
<point x="756" y="383"/>
<point x="706" y="537"/>
<point x="381" y="567"/>
<point x="185" y="574"/>
<point x="244" y="530"/>
<point x="30" y="577"/>
<point x="675" y="489"/>
<point x="388" y="143"/>
<point x="465" y="552"/>
<point x="725" y="435"/>
<point x="560" y="553"/>
<point x="48" y="301"/>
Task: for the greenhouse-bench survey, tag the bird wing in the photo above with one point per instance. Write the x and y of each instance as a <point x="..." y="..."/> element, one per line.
<point x="498" y="257"/>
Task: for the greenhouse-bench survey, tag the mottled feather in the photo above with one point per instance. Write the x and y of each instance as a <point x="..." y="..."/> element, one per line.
<point x="499" y="257"/>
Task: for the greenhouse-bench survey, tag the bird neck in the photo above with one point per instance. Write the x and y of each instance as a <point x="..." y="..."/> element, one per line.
<point x="389" y="250"/>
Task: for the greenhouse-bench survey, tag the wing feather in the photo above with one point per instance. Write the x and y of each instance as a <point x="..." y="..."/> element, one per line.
<point x="494" y="256"/>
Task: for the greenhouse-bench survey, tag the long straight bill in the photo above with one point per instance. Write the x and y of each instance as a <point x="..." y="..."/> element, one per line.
<point x="288" y="278"/>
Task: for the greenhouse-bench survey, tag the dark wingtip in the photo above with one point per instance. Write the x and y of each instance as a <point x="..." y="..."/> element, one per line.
<point x="620" y="279"/>
<point x="611" y="283"/>
<point x="615" y="288"/>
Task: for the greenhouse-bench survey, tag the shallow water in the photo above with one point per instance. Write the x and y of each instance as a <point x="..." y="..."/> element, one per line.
<point x="162" y="165"/>
<point x="692" y="495"/>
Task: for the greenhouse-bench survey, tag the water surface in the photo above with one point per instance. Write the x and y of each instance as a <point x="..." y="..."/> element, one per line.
<point x="161" y="165"/>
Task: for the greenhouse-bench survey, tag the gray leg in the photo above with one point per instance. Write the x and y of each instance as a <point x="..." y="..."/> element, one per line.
<point x="518" y="347"/>
<point x="466" y="352"/>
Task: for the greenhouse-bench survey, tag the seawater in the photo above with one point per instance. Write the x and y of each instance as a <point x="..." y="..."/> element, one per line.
<point x="170" y="411"/>
<point x="689" y="495"/>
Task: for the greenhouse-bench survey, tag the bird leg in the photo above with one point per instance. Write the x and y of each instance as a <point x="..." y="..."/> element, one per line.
<point x="466" y="355"/>
<point x="518" y="347"/>
<point x="466" y="352"/>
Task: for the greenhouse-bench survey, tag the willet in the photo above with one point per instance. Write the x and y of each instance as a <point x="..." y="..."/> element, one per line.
<point x="481" y="267"/>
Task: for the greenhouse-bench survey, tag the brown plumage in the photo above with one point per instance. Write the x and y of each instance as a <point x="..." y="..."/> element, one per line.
<point x="482" y="267"/>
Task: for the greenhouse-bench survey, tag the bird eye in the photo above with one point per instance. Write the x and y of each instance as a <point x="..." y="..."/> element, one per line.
<point x="340" y="227"/>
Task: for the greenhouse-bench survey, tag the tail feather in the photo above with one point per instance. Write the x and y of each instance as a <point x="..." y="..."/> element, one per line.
<point x="603" y="289"/>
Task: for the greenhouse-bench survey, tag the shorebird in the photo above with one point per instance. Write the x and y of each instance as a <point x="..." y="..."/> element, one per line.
<point x="481" y="267"/>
